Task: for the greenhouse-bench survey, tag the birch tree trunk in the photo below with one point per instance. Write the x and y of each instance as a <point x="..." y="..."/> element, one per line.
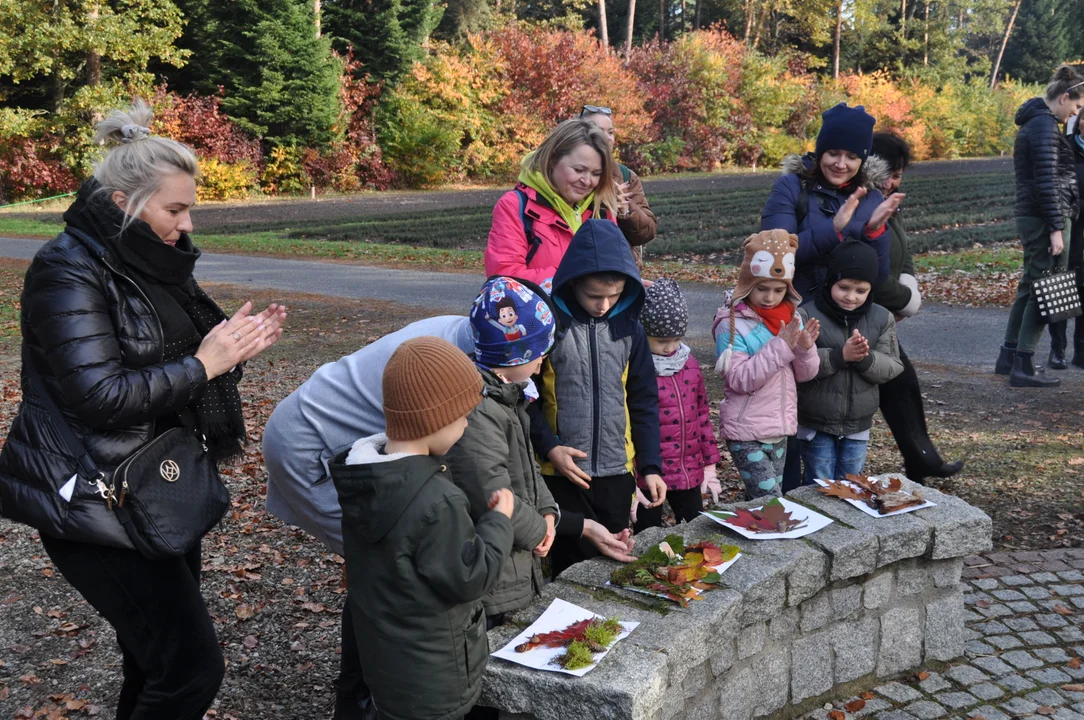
<point x="603" y="29"/>
<point x="1004" y="42"/>
<point x="94" y="59"/>
<point x="836" y="39"/>
<point x="316" y="14"/>
<point x="903" y="19"/>
<point x="628" y="28"/>
<point x="662" y="20"/>
<point x="926" y="34"/>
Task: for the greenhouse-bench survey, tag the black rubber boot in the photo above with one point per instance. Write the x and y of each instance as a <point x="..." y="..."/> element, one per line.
<point x="1058" y="342"/>
<point x="1005" y="360"/>
<point x="1024" y="375"/>
<point x="948" y="469"/>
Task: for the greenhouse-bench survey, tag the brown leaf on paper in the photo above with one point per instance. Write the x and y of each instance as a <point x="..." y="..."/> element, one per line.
<point x="772" y="517"/>
<point x="844" y="491"/>
<point x="855" y="705"/>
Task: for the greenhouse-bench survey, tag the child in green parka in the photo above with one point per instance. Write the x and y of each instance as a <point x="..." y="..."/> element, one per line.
<point x="417" y="564"/>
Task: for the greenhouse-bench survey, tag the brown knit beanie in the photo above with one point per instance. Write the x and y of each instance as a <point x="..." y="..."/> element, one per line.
<point x="428" y="384"/>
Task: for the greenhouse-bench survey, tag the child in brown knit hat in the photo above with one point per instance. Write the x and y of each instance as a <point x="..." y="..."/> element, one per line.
<point x="417" y="565"/>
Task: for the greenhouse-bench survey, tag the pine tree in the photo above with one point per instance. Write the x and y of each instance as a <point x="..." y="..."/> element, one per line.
<point x="279" y="80"/>
<point x="387" y="35"/>
<point x="1040" y="41"/>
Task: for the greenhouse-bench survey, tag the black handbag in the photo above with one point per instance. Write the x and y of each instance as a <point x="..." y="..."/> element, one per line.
<point x="167" y="494"/>
<point x="1057" y="296"/>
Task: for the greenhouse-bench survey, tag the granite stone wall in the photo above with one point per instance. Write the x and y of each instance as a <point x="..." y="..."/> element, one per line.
<point x="863" y="599"/>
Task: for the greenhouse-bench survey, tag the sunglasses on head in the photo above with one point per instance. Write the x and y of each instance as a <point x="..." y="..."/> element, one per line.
<point x="595" y="110"/>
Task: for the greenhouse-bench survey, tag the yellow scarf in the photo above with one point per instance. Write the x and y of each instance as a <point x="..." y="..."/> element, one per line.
<point x="573" y="215"/>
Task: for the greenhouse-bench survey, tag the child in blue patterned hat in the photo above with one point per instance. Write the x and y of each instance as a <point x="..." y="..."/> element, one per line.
<point x="514" y="328"/>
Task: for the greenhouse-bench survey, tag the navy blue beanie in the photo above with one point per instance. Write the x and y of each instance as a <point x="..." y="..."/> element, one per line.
<point x="846" y="128"/>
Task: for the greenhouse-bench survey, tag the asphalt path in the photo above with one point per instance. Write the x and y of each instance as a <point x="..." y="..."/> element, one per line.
<point x="938" y="335"/>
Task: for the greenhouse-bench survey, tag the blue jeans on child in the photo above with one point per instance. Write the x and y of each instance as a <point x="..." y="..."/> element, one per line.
<point x="829" y="457"/>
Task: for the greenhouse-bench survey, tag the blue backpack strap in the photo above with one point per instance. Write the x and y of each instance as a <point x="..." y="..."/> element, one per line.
<point x="533" y="241"/>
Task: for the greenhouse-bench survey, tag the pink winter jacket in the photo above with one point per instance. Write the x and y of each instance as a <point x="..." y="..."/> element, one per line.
<point x="761" y="394"/>
<point x="507" y="248"/>
<point x="687" y="438"/>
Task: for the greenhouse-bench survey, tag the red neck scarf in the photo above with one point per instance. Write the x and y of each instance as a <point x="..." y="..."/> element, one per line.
<point x="777" y="317"/>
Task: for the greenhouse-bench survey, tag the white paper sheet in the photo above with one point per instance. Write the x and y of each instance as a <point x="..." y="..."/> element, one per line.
<point x="718" y="568"/>
<point x="559" y="615"/>
<point x="811" y="522"/>
<point x="68" y="488"/>
<point x="870" y="511"/>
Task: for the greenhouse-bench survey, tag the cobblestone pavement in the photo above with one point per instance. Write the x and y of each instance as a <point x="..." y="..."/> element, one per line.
<point x="1025" y="620"/>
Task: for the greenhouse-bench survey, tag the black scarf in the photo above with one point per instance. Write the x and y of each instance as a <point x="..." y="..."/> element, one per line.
<point x="186" y="312"/>
<point x="853" y="260"/>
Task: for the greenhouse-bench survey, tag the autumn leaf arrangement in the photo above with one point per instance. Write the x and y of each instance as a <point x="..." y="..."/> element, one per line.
<point x="675" y="571"/>
<point x="581" y="640"/>
<point x="772" y="517"/>
<point x="884" y="496"/>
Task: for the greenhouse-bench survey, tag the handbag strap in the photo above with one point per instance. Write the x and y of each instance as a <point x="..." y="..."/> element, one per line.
<point x="87" y="466"/>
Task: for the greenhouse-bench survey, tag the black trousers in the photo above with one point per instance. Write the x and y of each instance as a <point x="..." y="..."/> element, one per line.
<point x="792" y="469"/>
<point x="172" y="663"/>
<point x="608" y="502"/>
<point x="901" y="406"/>
<point x="686" y="505"/>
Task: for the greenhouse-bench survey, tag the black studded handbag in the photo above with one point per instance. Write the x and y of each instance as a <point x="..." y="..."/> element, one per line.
<point x="167" y="494"/>
<point x="1057" y="295"/>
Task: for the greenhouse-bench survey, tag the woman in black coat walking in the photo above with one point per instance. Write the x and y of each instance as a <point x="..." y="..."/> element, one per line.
<point x="1046" y="202"/>
<point x="125" y="345"/>
<point x="1059" y="330"/>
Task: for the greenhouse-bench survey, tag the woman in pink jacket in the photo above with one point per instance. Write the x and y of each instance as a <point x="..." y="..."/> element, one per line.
<point x="765" y="348"/>
<point x="569" y="179"/>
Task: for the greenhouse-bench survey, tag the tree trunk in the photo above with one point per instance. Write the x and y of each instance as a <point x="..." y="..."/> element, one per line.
<point x="926" y="34"/>
<point x="316" y="14"/>
<point x="696" y="20"/>
<point x="748" y="20"/>
<point x="1004" y="42"/>
<point x="836" y="39"/>
<point x="628" y="29"/>
<point x="761" y="19"/>
<point x="681" y="27"/>
<point x="903" y="19"/>
<point x="603" y="28"/>
<point x="662" y="20"/>
<point x="94" y="59"/>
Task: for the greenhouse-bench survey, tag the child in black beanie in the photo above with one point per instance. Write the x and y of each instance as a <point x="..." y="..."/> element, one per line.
<point x="858" y="351"/>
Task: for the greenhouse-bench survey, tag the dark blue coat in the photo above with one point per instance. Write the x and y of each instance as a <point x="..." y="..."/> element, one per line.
<point x="816" y="234"/>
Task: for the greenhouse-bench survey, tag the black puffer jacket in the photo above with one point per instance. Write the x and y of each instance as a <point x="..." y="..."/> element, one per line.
<point x="97" y="345"/>
<point x="1043" y="161"/>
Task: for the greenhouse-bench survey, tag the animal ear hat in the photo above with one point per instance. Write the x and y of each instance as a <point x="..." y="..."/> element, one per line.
<point x="769" y="255"/>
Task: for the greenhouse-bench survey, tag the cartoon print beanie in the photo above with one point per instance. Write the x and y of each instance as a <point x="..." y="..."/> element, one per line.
<point x="512" y="322"/>
<point x="665" y="314"/>
<point x="428" y="385"/>
<point x="769" y="255"/>
<point x="846" y="128"/>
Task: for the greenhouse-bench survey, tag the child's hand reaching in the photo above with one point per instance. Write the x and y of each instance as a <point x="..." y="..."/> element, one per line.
<point x="808" y="338"/>
<point x="856" y="348"/>
<point x="638" y="499"/>
<point x="791" y="332"/>
<point x="711" y="484"/>
<point x="657" y="488"/>
<point x="503" y="501"/>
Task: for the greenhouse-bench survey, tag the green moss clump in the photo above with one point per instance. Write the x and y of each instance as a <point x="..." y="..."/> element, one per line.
<point x="652" y="558"/>
<point x="576" y="656"/>
<point x="602" y="633"/>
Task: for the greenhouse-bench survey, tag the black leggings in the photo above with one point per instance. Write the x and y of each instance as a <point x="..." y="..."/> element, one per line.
<point x="901" y="406"/>
<point x="686" y="505"/>
<point x="173" y="665"/>
<point x="608" y="501"/>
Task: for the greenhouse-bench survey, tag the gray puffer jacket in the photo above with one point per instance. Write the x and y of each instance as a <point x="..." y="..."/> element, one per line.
<point x="843" y="397"/>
